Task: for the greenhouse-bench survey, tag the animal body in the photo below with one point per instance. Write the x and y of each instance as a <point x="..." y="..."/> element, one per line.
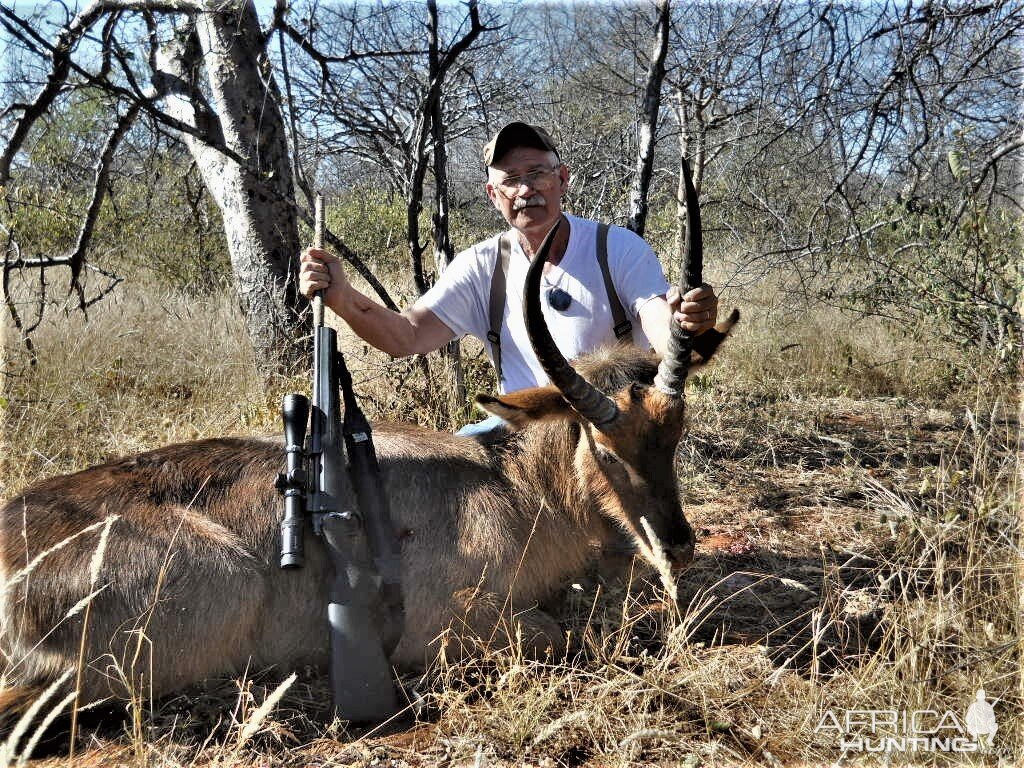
<point x="189" y="586"/>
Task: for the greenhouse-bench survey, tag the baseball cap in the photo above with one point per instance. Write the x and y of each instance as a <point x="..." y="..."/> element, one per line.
<point x="517" y="135"/>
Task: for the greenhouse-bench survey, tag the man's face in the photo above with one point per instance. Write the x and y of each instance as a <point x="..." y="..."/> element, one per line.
<point x="534" y="204"/>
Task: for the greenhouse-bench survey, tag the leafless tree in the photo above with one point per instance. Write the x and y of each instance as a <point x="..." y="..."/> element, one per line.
<point x="205" y="78"/>
<point x="396" y="117"/>
<point x="812" y="129"/>
<point x="393" y="113"/>
<point x="236" y="136"/>
<point x="648" y="123"/>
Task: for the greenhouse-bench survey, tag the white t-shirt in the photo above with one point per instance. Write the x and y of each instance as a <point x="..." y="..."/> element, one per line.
<point x="461" y="297"/>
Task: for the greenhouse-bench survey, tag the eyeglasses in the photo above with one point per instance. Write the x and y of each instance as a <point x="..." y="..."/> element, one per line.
<point x="541" y="180"/>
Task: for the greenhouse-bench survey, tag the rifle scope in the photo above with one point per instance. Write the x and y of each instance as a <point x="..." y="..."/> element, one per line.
<point x="294" y="412"/>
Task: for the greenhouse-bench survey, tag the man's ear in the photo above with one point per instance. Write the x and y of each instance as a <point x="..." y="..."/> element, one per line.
<point x="492" y="194"/>
<point x="527" y="406"/>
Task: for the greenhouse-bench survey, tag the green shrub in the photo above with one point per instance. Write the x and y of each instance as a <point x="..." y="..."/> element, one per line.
<point x="963" y="278"/>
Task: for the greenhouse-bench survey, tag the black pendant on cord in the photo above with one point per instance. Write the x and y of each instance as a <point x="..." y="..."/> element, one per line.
<point x="559" y="299"/>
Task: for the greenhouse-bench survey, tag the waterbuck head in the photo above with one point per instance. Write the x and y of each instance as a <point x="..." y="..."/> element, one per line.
<point x="630" y="427"/>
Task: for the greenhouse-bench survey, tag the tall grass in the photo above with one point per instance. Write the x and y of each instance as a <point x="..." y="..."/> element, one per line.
<point x="142" y="371"/>
<point x="856" y="493"/>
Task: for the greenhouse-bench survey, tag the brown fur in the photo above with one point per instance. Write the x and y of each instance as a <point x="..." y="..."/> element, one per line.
<point x="190" y="584"/>
<point x="14" y="702"/>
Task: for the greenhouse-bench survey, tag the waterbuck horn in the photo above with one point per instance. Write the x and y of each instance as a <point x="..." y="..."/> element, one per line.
<point x="586" y="399"/>
<point x="671" y="378"/>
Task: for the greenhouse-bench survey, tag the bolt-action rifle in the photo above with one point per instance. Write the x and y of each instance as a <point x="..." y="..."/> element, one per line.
<point x="348" y="509"/>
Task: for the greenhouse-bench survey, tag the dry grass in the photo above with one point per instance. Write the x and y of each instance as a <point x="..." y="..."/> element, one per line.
<point x="856" y="500"/>
<point x="142" y="372"/>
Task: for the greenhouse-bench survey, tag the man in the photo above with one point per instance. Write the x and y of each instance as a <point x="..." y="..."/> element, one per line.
<point x="526" y="181"/>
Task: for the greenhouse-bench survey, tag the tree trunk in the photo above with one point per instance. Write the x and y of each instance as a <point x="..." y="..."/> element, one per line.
<point x="254" y="189"/>
<point x="443" y="250"/>
<point x="648" y="128"/>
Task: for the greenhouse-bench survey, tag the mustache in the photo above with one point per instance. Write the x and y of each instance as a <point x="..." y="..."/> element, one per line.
<point x="529" y="202"/>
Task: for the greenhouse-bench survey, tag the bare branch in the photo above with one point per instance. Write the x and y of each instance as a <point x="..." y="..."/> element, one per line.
<point x="61" y="64"/>
<point x="297" y="171"/>
<point x="12" y="308"/>
<point x="427" y="108"/>
<point x="99" y="190"/>
<point x="324" y="60"/>
<point x="55" y="80"/>
<point x="927" y="16"/>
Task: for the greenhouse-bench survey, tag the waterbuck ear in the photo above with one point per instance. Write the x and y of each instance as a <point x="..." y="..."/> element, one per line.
<point x="528" y="405"/>
<point x="705" y="345"/>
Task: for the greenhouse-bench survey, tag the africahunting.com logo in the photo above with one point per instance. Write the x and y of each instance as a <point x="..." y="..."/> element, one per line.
<point x="917" y="730"/>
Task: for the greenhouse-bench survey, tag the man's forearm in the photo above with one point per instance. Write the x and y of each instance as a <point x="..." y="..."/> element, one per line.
<point x="658" y="337"/>
<point x="385" y="329"/>
<point x="656" y="319"/>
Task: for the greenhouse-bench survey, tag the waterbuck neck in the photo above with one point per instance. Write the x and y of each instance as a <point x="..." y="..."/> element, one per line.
<point x="567" y="526"/>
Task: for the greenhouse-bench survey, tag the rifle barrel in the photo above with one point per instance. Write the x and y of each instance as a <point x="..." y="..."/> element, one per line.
<point x="318" y="242"/>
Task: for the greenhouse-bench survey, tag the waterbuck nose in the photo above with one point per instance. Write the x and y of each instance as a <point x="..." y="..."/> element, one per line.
<point x="680" y="552"/>
<point x="681" y="556"/>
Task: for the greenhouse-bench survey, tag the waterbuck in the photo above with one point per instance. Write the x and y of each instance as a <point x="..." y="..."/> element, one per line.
<point x="188" y="586"/>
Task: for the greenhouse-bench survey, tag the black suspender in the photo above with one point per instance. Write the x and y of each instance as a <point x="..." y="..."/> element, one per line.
<point x="497" y="303"/>
<point x="621" y="325"/>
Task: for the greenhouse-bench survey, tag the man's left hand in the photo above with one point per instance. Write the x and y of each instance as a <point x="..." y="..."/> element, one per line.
<point x="696" y="311"/>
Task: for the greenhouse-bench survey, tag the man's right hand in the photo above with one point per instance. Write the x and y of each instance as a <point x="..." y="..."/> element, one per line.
<point x="320" y="270"/>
